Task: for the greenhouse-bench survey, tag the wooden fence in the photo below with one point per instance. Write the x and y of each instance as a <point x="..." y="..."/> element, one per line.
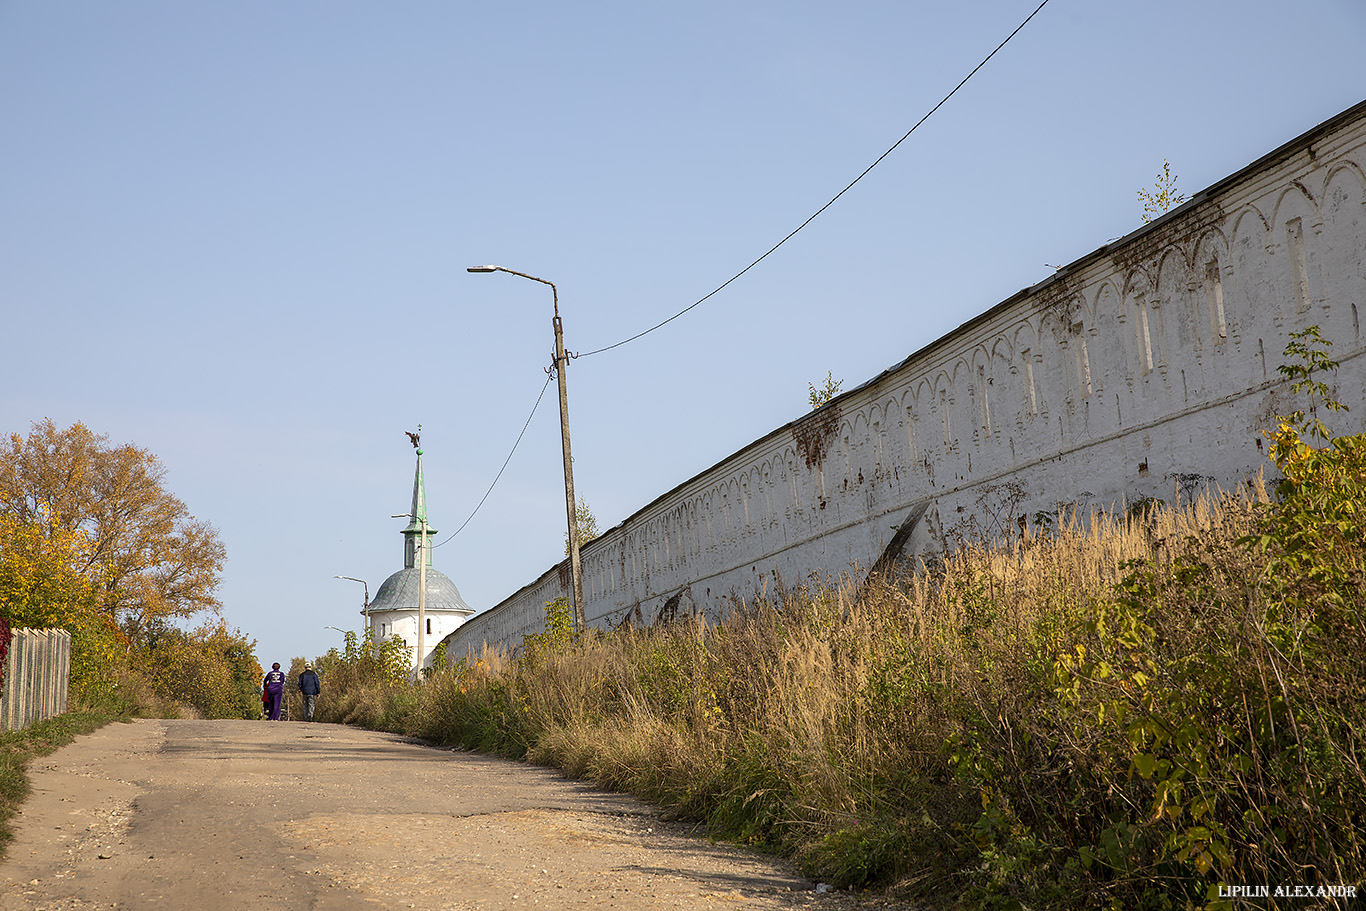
<point x="37" y="671"/>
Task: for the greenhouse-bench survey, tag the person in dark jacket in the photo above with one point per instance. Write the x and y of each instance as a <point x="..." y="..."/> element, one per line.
<point x="275" y="689"/>
<point x="310" y="687"/>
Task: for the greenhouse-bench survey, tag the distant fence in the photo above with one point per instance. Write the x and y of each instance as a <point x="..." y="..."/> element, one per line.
<point x="37" y="670"/>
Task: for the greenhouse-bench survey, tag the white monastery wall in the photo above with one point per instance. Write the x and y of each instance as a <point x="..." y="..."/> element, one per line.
<point x="1145" y="369"/>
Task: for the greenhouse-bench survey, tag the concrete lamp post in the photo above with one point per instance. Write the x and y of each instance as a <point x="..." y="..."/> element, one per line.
<point x="561" y="362"/>
<point x="366" y="608"/>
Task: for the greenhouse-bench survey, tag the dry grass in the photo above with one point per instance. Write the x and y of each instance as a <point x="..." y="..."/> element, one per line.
<point x="939" y="730"/>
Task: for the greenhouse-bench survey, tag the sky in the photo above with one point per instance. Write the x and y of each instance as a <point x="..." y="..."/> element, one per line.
<point x="236" y="234"/>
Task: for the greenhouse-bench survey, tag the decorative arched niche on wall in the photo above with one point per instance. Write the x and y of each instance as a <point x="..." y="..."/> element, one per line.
<point x="1251" y="299"/>
<point x="1343" y="239"/>
<point x="1212" y="270"/>
<point x="1175" y="326"/>
<point x="1295" y="229"/>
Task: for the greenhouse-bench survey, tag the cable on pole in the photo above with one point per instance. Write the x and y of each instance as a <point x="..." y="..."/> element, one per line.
<point x="505" y="464"/>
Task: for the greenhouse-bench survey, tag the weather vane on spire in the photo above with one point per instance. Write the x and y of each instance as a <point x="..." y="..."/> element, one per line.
<point x="415" y="437"/>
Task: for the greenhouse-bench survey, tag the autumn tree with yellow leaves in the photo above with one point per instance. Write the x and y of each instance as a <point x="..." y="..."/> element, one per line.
<point x="42" y="586"/>
<point x="92" y="541"/>
<point x="149" y="559"/>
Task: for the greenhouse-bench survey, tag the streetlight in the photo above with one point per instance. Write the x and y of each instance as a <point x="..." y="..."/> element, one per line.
<point x="344" y="632"/>
<point x="561" y="362"/>
<point x="367" y="599"/>
<point x="421" y="588"/>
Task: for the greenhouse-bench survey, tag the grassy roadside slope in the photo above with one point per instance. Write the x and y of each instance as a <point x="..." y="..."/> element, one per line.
<point x="1122" y="713"/>
<point x="1130" y="712"/>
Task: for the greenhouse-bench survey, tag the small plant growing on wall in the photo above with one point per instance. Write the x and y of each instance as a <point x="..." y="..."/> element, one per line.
<point x="1162" y="196"/>
<point x="828" y="390"/>
<point x="587" y="523"/>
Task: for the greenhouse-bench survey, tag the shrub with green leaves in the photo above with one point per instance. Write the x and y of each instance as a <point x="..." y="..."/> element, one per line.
<point x="1203" y="720"/>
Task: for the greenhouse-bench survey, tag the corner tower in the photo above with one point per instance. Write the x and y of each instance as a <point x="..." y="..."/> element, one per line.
<point x="394" y="610"/>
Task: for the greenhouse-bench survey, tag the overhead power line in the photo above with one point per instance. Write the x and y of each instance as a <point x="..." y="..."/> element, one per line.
<point x="833" y="200"/>
<point x="505" y="462"/>
<point x="756" y="262"/>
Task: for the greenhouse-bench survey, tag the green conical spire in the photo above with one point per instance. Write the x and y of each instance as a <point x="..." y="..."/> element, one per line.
<point x="412" y="535"/>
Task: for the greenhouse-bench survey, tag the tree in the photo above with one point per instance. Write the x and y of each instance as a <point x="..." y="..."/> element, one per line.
<point x="212" y="668"/>
<point x="586" y="522"/>
<point x="149" y="559"/>
<point x="1163" y="196"/>
<point x="41" y="583"/>
<point x="828" y="391"/>
<point x="42" y="587"/>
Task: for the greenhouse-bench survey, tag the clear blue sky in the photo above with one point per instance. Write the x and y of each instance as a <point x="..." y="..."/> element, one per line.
<point x="236" y="234"/>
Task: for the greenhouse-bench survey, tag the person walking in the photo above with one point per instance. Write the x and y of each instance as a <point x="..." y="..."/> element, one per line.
<point x="275" y="689"/>
<point x="310" y="687"/>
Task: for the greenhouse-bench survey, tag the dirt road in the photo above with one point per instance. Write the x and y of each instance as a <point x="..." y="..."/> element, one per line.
<point x="243" y="814"/>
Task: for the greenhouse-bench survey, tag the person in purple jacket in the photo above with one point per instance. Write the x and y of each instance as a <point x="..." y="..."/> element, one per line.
<point x="275" y="689"/>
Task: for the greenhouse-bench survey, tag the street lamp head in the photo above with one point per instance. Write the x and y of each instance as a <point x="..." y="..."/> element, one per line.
<point x="482" y="269"/>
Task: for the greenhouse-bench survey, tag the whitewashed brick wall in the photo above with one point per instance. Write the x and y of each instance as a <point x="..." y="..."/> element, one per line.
<point x="1145" y="366"/>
